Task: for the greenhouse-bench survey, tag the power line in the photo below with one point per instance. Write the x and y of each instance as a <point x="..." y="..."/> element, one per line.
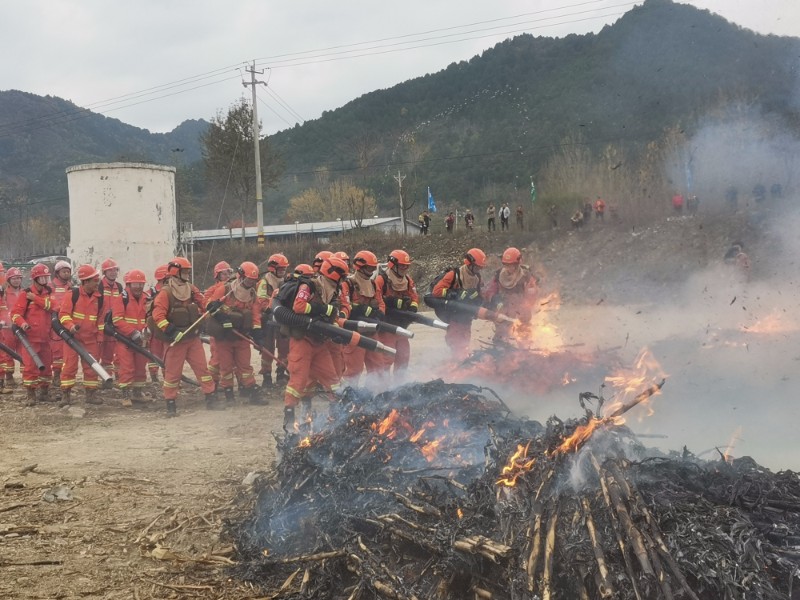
<point x="283" y="103"/>
<point x="274" y="112"/>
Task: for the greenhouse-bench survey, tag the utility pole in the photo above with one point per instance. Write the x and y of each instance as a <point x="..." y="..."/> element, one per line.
<point x="257" y="152"/>
<point x="399" y="178"/>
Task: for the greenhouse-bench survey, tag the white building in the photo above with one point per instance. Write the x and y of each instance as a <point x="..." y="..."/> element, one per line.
<point x="124" y="211"/>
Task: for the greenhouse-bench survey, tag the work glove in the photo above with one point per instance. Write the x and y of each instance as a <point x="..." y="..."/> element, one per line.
<point x="25" y="327"/>
<point x="137" y="338"/>
<point x="259" y="336"/>
<point x="173" y="333"/>
<point x="214" y="306"/>
<point x="323" y="310"/>
<point x="75" y="329"/>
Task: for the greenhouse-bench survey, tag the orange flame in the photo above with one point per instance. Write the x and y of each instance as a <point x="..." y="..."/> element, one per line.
<point x="430" y="449"/>
<point x="774" y="323"/>
<point x="392" y="425"/>
<point x="305" y="443"/>
<point x="630" y="382"/>
<point x="518" y="464"/>
<point x="735" y="437"/>
<point x="460" y="513"/>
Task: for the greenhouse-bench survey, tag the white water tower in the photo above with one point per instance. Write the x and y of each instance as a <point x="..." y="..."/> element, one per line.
<point x="124" y="211"/>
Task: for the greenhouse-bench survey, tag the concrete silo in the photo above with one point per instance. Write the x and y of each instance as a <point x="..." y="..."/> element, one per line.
<point x="124" y="211"/>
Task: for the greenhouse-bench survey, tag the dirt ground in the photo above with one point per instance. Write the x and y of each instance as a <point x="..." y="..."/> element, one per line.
<point x="145" y="497"/>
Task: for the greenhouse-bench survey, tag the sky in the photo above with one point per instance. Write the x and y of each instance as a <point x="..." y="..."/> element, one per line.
<point x="156" y="63"/>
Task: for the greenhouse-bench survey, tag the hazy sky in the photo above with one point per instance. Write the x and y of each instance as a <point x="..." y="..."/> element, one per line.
<point x="156" y="63"/>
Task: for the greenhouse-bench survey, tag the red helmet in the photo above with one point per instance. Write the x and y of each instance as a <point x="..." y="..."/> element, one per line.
<point x="62" y="264"/>
<point x="176" y="264"/>
<point x="108" y="263"/>
<point x="161" y="273"/>
<point x="249" y="270"/>
<point x="86" y="272"/>
<point x="40" y="270"/>
<point x="304" y="270"/>
<point x="334" y="268"/>
<point x="475" y="256"/>
<point x="399" y="257"/>
<point x="135" y="276"/>
<point x="365" y="258"/>
<point x="278" y="261"/>
<point x="321" y="255"/>
<point x="220" y="267"/>
<point x="511" y="256"/>
<point x="13" y="272"/>
<point x="343" y="255"/>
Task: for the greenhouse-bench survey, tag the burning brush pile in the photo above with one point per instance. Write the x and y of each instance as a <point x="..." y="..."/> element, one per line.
<point x="435" y="491"/>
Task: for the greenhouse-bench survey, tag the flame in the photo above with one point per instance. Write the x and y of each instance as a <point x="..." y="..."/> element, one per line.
<point x="774" y="323"/>
<point x="735" y="437"/>
<point x="518" y="464"/>
<point x="415" y="438"/>
<point x="629" y="382"/>
<point x="430" y="449"/>
<point x="459" y="513"/>
<point x="392" y="425"/>
<point x="566" y="379"/>
<point x="583" y="432"/>
<point x="305" y="443"/>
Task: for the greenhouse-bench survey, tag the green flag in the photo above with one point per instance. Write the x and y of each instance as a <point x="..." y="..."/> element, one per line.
<point x="533" y="192"/>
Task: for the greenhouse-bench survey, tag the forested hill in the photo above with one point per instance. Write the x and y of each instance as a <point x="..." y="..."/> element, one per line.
<point x="495" y="118"/>
<point x="475" y="128"/>
<point x="42" y="136"/>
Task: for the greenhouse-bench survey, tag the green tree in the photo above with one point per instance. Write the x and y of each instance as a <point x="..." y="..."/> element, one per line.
<point x="228" y="157"/>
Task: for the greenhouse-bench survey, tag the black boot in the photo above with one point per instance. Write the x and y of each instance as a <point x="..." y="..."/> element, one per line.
<point x="266" y="383"/>
<point x="213" y="402"/>
<point x="229" y="396"/>
<point x="43" y="394"/>
<point x="30" y="397"/>
<point x="254" y="396"/>
<point x="172" y="410"/>
<point x="281" y="377"/>
<point x="154" y="376"/>
<point x="66" y="397"/>
<point x="288" y="419"/>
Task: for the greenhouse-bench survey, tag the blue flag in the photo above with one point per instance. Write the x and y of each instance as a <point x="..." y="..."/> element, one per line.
<point x="431" y="203"/>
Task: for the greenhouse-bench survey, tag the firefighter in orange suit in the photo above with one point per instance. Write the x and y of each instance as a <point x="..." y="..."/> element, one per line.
<point x="129" y="316"/>
<point x="156" y="345"/>
<point x="277" y="265"/>
<point x="511" y="292"/>
<point x="234" y="309"/>
<point x="317" y="262"/>
<point x="62" y="283"/>
<point x="31" y="314"/>
<point x="78" y="313"/>
<point x="110" y="288"/>
<point x="222" y="273"/>
<point x="366" y="301"/>
<point x="337" y="350"/>
<point x="400" y="296"/>
<point x="178" y="306"/>
<point x="462" y="284"/>
<point x="309" y="358"/>
<point x="6" y="361"/>
<point x="11" y="292"/>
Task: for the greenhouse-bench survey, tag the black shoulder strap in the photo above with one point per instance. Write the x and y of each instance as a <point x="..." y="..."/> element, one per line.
<point x="76" y="291"/>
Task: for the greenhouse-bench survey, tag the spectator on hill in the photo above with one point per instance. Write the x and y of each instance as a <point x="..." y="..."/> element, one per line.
<point x="505" y="217"/>
<point x="520" y="218"/>
<point x="490" y="218"/>
<point x="599" y="209"/>
<point x="677" y="202"/>
<point x="469" y="220"/>
<point x="577" y="219"/>
<point x="449" y="222"/>
<point x="692" y="204"/>
<point x="587" y="210"/>
<point x="424" y="222"/>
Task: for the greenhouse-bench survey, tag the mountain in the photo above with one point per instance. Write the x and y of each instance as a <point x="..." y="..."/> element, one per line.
<point x="493" y="121"/>
<point x="41" y="136"/>
<point x="478" y="129"/>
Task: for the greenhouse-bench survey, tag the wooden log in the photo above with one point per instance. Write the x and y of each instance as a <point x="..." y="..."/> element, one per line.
<point x="623" y="547"/>
<point x="406" y="501"/>
<point x="310" y="557"/>
<point x="549" y="548"/>
<point x="533" y="557"/>
<point x="481" y="594"/>
<point x="661" y="576"/>
<point x="606" y="589"/>
<point x="629" y="529"/>
<point x="478" y="544"/>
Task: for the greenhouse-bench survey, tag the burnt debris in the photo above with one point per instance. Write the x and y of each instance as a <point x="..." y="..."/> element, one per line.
<point x="435" y="490"/>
